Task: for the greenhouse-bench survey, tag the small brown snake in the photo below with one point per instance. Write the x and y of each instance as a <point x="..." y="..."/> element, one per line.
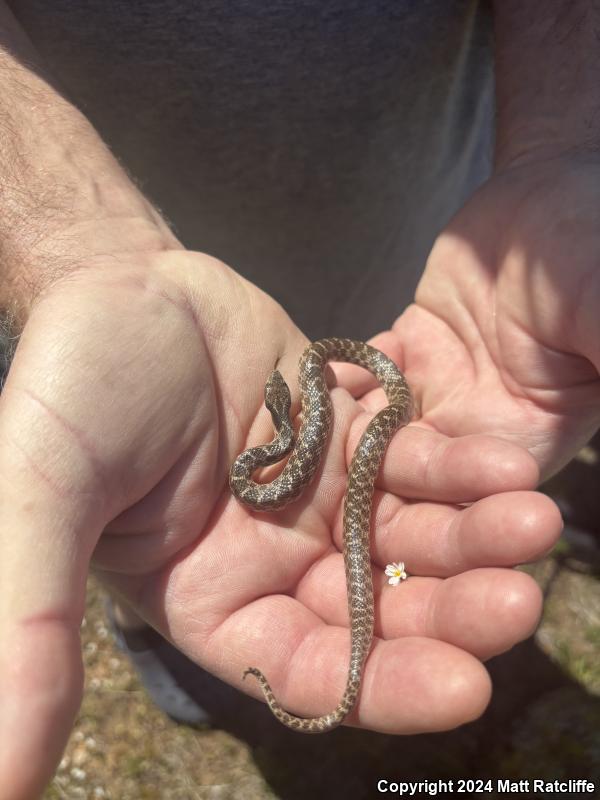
<point x="300" y="470"/>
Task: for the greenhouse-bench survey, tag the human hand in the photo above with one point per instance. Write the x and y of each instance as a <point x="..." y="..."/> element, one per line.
<point x="502" y="344"/>
<point x="506" y="313"/>
<point x="113" y="427"/>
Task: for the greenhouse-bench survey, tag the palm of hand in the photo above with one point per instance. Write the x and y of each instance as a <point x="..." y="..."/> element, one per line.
<point x="502" y="338"/>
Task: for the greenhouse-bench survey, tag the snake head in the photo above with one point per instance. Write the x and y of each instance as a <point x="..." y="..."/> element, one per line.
<point x="277" y="397"/>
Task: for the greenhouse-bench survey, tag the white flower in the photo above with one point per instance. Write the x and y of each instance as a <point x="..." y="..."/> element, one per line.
<point x="396" y="573"/>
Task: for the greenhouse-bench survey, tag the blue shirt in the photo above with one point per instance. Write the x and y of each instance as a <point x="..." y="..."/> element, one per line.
<point x="316" y="147"/>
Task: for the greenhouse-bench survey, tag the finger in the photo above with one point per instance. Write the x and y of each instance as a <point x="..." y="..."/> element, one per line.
<point x="42" y="679"/>
<point x="424" y="464"/>
<point x="410" y="685"/>
<point x="439" y="539"/>
<point x="43" y="566"/>
<point x="483" y="611"/>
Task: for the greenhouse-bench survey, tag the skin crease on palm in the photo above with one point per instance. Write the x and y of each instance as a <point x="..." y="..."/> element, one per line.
<point x="136" y="440"/>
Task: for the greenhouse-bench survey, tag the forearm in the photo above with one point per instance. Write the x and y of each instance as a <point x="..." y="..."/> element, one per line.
<point x="64" y="199"/>
<point x="547" y="78"/>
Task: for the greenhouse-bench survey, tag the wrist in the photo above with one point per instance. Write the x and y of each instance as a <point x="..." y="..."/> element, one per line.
<point x="64" y="199"/>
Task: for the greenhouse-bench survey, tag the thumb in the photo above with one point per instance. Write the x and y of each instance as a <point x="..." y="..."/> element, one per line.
<point x="47" y="533"/>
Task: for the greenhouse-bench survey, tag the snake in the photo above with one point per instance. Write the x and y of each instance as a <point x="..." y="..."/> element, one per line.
<point x="305" y="454"/>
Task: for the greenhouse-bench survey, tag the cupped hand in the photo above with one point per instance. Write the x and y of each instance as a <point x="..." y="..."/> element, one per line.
<point x="133" y="388"/>
<point x="504" y="336"/>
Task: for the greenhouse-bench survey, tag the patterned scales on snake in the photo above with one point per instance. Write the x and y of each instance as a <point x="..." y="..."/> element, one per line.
<point x="300" y="470"/>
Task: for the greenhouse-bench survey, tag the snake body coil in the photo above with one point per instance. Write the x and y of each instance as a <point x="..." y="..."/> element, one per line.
<point x="300" y="470"/>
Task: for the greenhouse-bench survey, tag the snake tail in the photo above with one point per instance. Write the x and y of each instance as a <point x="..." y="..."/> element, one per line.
<point x="327" y="722"/>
